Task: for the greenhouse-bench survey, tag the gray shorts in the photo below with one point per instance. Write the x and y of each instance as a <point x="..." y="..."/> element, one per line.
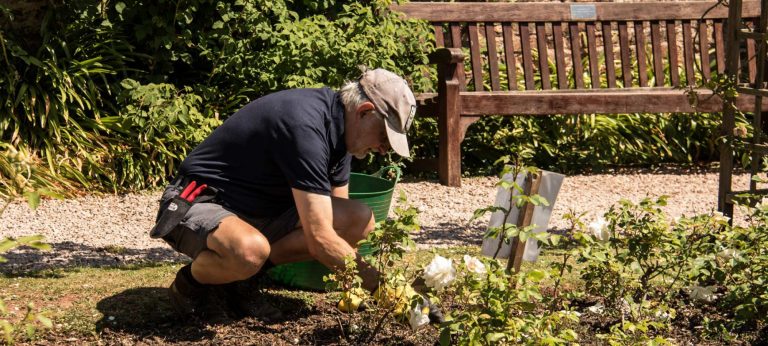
<point x="190" y="237"/>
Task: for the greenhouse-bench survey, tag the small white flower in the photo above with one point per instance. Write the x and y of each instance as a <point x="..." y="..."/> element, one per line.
<point x="662" y="315"/>
<point x="705" y="293"/>
<point x="418" y="316"/>
<point x="474" y="265"/>
<point x="439" y="273"/>
<point x="597" y="309"/>
<point x="599" y="229"/>
<point x="718" y="217"/>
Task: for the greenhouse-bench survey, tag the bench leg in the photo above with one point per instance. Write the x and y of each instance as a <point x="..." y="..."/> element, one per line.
<point x="449" y="129"/>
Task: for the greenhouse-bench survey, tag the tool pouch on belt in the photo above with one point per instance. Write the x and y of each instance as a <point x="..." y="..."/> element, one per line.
<point x="170" y="217"/>
<point x="175" y="210"/>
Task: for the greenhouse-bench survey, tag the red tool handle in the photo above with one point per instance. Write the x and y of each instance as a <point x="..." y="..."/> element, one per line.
<point x="188" y="189"/>
<point x="195" y="193"/>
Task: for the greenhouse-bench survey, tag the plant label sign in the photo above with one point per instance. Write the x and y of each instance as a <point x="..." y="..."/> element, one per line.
<point x="549" y="188"/>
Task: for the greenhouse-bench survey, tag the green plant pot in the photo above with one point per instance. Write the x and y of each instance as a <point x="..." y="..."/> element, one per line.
<point x="373" y="190"/>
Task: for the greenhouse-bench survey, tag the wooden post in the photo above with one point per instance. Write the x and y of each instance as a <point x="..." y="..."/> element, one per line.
<point x="729" y="113"/>
<point x="449" y="123"/>
<point x="524" y="217"/>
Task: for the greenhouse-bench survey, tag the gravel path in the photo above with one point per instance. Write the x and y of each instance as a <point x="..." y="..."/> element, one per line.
<point x="109" y="230"/>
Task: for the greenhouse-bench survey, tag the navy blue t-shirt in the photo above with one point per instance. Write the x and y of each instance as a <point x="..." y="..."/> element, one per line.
<point x="289" y="139"/>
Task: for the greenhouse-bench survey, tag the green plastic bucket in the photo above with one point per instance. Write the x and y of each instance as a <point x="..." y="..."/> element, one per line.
<point x="373" y="190"/>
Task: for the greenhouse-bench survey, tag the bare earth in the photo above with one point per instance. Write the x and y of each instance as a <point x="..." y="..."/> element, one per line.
<point x="111" y="230"/>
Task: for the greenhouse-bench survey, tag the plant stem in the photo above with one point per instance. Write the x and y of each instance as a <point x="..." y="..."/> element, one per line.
<point x="566" y="256"/>
<point x="503" y="232"/>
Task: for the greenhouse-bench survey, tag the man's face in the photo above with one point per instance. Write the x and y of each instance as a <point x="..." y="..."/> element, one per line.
<point x="368" y="135"/>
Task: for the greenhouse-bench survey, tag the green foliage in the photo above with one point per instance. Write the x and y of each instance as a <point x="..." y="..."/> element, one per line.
<point x="54" y="93"/>
<point x="71" y="102"/>
<point x="156" y="127"/>
<point x="505" y="308"/>
<point x="639" y="254"/>
<point x="235" y="51"/>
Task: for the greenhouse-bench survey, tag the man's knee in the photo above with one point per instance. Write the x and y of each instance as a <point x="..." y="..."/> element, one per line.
<point x="364" y="223"/>
<point x="251" y="255"/>
<point x="241" y="247"/>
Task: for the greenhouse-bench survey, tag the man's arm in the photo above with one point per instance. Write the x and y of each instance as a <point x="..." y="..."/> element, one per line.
<point x="340" y="191"/>
<point x="324" y="244"/>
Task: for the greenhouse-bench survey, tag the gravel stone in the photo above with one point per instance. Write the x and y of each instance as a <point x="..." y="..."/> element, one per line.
<point x="113" y="229"/>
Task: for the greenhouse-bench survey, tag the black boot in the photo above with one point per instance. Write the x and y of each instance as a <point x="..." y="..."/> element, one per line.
<point x="192" y="299"/>
<point x="244" y="298"/>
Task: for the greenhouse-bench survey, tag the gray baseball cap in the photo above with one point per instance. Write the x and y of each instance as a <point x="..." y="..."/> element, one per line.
<point x="391" y="97"/>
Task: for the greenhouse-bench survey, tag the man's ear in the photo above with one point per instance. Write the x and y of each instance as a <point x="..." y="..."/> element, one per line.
<point x="362" y="108"/>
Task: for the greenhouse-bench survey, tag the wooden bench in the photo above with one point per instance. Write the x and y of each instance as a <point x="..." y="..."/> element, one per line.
<point x="555" y="54"/>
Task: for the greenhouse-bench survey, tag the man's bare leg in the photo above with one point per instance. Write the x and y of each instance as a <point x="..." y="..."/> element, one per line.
<point x="236" y="251"/>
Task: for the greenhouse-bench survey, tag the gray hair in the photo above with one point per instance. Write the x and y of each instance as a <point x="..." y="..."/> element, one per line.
<point x="352" y="95"/>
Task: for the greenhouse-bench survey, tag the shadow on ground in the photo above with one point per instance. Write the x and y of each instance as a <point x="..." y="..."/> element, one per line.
<point x="69" y="254"/>
<point x="145" y="314"/>
<point x="450" y="234"/>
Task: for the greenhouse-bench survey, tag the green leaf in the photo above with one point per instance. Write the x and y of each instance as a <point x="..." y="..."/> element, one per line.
<point x="119" y="7"/>
<point x="218" y="24"/>
<point x="33" y="199"/>
<point x="494" y="337"/>
<point x="536" y="275"/>
<point x="445" y="337"/>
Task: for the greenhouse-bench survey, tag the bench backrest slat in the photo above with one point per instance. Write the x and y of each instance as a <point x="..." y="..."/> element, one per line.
<point x="578" y="68"/>
<point x="674" y="71"/>
<point x="719" y="47"/>
<point x="474" y="48"/>
<point x="658" y="63"/>
<point x="704" y="50"/>
<point x="525" y="47"/>
<point x="642" y="68"/>
<point x="594" y="70"/>
<point x="540" y="46"/>
<point x="610" y="65"/>
<point x="439" y="38"/>
<point x="752" y="67"/>
<point x="562" y="74"/>
<point x="626" y="63"/>
<point x="509" y="54"/>
<point x="493" y="56"/>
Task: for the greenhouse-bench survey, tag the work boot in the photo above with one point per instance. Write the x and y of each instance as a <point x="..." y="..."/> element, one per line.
<point x="198" y="301"/>
<point x="244" y="298"/>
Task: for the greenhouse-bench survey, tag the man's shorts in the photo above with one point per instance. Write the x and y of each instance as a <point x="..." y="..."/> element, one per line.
<point x="191" y="235"/>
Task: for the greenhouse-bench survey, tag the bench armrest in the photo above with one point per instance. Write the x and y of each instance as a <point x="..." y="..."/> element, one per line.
<point x="446" y="56"/>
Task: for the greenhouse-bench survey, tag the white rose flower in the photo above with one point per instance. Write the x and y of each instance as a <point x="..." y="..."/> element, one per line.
<point x="418" y="316"/>
<point x="597" y="309"/>
<point x="439" y="273"/>
<point x="718" y="217"/>
<point x="706" y="293"/>
<point x="475" y="266"/>
<point x="662" y="315"/>
<point x="599" y="229"/>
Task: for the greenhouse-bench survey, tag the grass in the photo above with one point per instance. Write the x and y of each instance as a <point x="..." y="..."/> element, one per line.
<point x="83" y="302"/>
